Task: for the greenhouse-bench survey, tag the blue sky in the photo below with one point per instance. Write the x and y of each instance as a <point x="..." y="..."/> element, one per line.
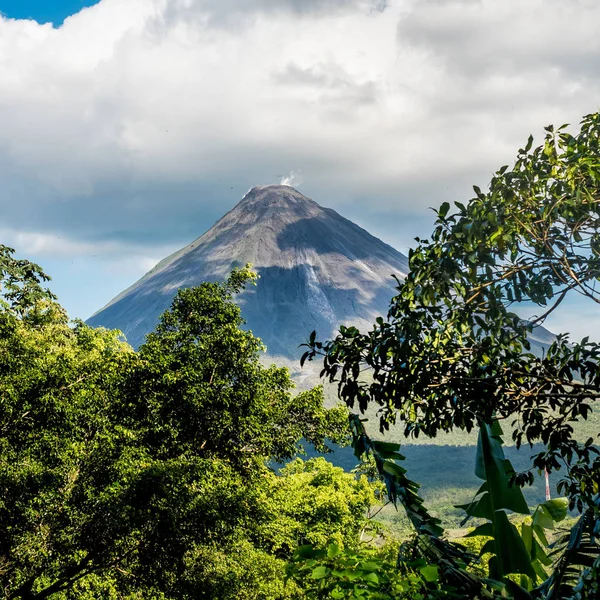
<point x="128" y="130"/>
<point x="43" y="11"/>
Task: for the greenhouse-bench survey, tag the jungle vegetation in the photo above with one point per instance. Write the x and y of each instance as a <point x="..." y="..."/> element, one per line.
<point x="146" y="474"/>
<point x="151" y="474"/>
<point x="453" y="354"/>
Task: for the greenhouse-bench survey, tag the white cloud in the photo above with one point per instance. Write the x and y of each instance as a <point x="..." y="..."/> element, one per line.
<point x="113" y="257"/>
<point x="141" y="121"/>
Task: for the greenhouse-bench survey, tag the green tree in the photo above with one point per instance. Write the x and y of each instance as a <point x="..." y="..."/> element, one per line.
<point x="313" y="502"/>
<point x="20" y="282"/>
<point x="120" y="470"/>
<point x="205" y="389"/>
<point x="56" y="439"/>
<point x="307" y="502"/>
<point x="365" y="572"/>
<point x="454" y="354"/>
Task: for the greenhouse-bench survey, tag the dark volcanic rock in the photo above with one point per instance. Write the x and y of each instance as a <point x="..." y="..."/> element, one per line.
<point x="317" y="270"/>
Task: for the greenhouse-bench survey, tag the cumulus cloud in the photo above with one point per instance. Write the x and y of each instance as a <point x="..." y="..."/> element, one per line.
<point x="235" y="13"/>
<point x="56" y="246"/>
<point x="114" y="257"/>
<point x="139" y="122"/>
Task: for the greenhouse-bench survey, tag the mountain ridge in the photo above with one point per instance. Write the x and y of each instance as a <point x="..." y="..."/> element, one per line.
<point x="317" y="270"/>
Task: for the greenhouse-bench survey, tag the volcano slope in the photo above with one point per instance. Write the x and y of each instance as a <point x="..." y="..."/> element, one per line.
<point x="317" y="270"/>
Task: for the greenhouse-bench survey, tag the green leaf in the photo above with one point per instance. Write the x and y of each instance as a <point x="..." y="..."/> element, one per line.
<point x="319" y="572"/>
<point x="540" y="571"/>
<point x="485" y="530"/>
<point x="557" y="508"/>
<point x="444" y="208"/>
<point x="492" y="466"/>
<point x="369" y="566"/>
<point x="371" y="578"/>
<point x="529" y="143"/>
<point x="388" y="450"/>
<point x="481" y="507"/>
<point x="511" y="552"/>
<point x="429" y="573"/>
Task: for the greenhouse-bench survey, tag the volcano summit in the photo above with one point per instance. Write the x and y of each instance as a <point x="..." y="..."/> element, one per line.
<point x="317" y="270"/>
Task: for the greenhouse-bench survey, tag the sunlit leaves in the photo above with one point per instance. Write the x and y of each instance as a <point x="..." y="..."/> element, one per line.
<point x="133" y="475"/>
<point x="365" y="573"/>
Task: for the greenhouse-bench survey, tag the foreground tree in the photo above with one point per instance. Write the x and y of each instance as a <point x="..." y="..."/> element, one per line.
<point x="56" y="438"/>
<point x="453" y="353"/>
<point x="133" y="474"/>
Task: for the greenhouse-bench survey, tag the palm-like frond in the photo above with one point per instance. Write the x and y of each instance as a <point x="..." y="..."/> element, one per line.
<point x="450" y="558"/>
<point x="579" y="552"/>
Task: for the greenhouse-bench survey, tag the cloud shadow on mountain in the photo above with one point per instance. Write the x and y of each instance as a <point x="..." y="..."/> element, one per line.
<point x="332" y="233"/>
<point x="284" y="307"/>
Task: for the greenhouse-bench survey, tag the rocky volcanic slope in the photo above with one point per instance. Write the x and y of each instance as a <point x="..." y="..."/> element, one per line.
<point x="317" y="270"/>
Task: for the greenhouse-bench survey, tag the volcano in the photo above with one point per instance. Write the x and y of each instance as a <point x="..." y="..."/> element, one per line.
<point x="317" y="271"/>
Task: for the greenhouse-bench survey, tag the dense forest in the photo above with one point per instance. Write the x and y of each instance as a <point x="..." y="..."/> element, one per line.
<point x="173" y="472"/>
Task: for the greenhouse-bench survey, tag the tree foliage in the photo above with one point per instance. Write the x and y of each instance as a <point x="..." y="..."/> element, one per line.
<point x="366" y="572"/>
<point x="453" y="352"/>
<point x="145" y="474"/>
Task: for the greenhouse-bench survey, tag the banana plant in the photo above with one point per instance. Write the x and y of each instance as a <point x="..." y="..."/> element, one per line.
<point x="429" y="544"/>
<point x="533" y="533"/>
<point x="494" y="498"/>
<point x="525" y="551"/>
<point x="568" y="568"/>
<point x="575" y="573"/>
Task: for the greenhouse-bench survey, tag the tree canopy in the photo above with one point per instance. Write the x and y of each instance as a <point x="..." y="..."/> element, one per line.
<point x="453" y="352"/>
<point x="146" y="474"/>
